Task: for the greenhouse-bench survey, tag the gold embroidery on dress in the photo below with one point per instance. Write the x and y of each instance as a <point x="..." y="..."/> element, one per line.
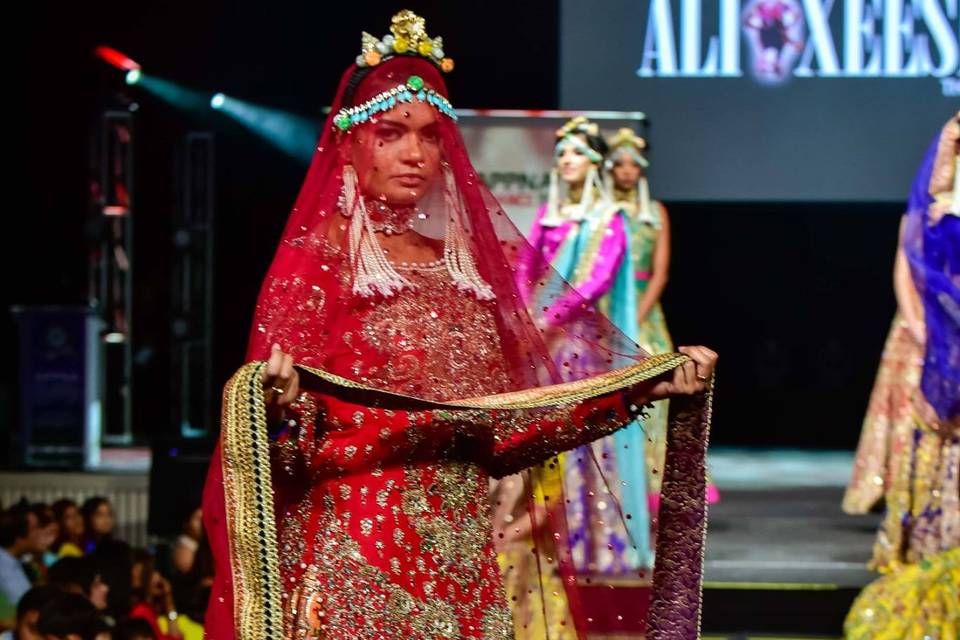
<point x="433" y="350"/>
<point x="453" y="535"/>
<point x="324" y="603"/>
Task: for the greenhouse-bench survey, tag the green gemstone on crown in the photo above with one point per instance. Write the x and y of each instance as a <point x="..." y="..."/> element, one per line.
<point x="415" y="83"/>
<point x="342" y="122"/>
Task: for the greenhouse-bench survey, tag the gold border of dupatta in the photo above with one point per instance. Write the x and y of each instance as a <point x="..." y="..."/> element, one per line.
<point x="248" y="491"/>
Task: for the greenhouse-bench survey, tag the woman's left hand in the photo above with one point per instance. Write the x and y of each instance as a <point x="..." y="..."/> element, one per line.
<point x="688" y="379"/>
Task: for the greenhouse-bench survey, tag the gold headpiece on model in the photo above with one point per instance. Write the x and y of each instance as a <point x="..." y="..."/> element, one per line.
<point x="407" y="37"/>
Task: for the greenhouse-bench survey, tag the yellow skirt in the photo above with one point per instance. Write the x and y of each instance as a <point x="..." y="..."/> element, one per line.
<point x="919" y="601"/>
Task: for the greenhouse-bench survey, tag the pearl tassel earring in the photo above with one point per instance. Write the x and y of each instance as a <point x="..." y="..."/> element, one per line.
<point x="645" y="205"/>
<point x="456" y="251"/>
<point x="552" y="216"/>
<point x="372" y="272"/>
<point x="586" y="197"/>
<point x="593" y="188"/>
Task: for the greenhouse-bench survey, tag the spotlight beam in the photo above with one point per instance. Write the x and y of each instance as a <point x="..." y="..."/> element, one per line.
<point x="170" y="92"/>
<point x="289" y="132"/>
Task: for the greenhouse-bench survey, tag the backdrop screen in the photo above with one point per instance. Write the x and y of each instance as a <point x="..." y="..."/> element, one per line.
<point x="770" y="100"/>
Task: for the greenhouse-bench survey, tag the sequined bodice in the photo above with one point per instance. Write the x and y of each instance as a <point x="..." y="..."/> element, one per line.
<point x="438" y="342"/>
<point x="398" y="509"/>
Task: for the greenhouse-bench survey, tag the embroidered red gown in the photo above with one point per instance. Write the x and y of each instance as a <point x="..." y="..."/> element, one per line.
<point x="382" y="519"/>
<point x="391" y="537"/>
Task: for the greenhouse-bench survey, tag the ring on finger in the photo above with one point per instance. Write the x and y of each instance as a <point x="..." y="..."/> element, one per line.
<point x="277" y="390"/>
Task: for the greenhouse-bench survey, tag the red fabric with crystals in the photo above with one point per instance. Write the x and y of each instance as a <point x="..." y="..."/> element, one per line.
<point x="435" y="342"/>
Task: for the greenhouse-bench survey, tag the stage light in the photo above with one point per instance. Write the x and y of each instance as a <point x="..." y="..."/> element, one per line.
<point x="116" y="58"/>
<point x="173" y="93"/>
<point x="291" y="133"/>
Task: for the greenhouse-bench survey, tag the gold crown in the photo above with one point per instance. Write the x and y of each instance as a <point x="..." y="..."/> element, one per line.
<point x="408" y="36"/>
<point x="628" y="137"/>
<point x="580" y="124"/>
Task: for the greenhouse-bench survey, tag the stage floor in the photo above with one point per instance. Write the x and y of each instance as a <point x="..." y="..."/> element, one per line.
<point x="780" y="523"/>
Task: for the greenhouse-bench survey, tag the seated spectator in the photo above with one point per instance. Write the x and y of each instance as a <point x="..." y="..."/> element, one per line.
<point x="17" y="538"/>
<point x="153" y="599"/>
<point x="192" y="570"/>
<point x="28" y="611"/>
<point x="69" y="616"/>
<point x="113" y="560"/>
<point x="187" y="543"/>
<point x="45" y="534"/>
<point x="80" y="576"/>
<point x="70" y="541"/>
<point x="98" y="522"/>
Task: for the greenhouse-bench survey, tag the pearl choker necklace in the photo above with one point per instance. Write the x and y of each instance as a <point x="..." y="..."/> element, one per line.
<point x="387" y="219"/>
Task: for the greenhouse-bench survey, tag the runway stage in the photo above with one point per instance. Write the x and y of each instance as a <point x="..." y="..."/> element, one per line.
<point x="782" y="561"/>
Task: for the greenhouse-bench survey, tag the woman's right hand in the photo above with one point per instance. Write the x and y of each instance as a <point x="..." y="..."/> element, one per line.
<point x="281" y="382"/>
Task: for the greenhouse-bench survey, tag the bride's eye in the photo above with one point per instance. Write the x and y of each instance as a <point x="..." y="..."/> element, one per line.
<point x="388" y="133"/>
<point x="431" y="134"/>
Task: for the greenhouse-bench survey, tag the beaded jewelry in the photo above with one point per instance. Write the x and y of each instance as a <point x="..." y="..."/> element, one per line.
<point x="408" y="36"/>
<point x="387" y="219"/>
<point x="374" y="274"/>
<point x="412" y="90"/>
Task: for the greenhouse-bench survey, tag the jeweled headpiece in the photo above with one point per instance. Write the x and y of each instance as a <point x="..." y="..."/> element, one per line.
<point x="593" y="187"/>
<point x="412" y="89"/>
<point x="408" y="36"/>
<point x="627" y="140"/>
<point x="580" y="124"/>
<point x="567" y="134"/>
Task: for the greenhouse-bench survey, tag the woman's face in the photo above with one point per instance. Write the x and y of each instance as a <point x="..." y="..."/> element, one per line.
<point x="626" y="171"/>
<point x="573" y="163"/>
<point x="27" y="626"/>
<point x="71" y="523"/>
<point x="102" y="520"/>
<point x="194" y="524"/>
<point x="46" y="536"/>
<point x="98" y="593"/>
<point x="397" y="157"/>
<point x="136" y="575"/>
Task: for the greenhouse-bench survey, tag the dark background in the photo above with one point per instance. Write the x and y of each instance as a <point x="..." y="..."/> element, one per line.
<point x="796" y="297"/>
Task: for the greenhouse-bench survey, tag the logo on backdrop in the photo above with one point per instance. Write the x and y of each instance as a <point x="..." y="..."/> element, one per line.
<point x="775" y="30"/>
<point x="804" y="39"/>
